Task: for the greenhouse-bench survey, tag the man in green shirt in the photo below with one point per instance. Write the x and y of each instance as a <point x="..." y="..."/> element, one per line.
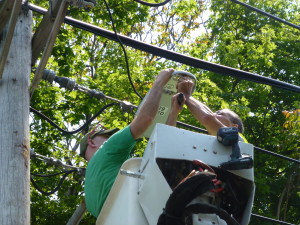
<point x="107" y="154"/>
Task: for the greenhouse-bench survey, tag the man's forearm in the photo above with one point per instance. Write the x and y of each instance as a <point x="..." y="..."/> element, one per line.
<point x="204" y="115"/>
<point x="198" y="109"/>
<point x="149" y="108"/>
<point x="151" y="104"/>
<point x="172" y="119"/>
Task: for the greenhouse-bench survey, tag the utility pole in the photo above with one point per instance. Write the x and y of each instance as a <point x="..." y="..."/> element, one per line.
<point x="14" y="125"/>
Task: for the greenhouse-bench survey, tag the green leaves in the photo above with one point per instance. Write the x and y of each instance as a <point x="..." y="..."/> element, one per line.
<point x="217" y="31"/>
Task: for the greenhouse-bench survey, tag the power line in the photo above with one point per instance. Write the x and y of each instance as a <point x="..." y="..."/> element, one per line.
<point x="53" y="174"/>
<point x="66" y="173"/>
<point x="74" y="131"/>
<point x="152" y="4"/>
<point x="266" y="14"/>
<point x="69" y="84"/>
<point x="203" y="65"/>
<point x="191" y="127"/>
<point x="64" y="83"/>
<point x="277" y="155"/>
<point x="174" y="56"/>
<point x="54" y="162"/>
<point x="123" y="48"/>
<point x="270" y="219"/>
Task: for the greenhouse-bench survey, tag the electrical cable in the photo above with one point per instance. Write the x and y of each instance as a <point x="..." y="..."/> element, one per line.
<point x="54" y="162"/>
<point x="53" y="174"/>
<point x="127" y="106"/>
<point x="152" y="4"/>
<point x="124" y="50"/>
<point x="191" y="127"/>
<point x="270" y="219"/>
<point x="179" y="123"/>
<point x="255" y="148"/>
<point x="67" y="83"/>
<point x="174" y="56"/>
<point x="201" y="131"/>
<point x="77" y="130"/>
<point x="203" y="65"/>
<point x="266" y="14"/>
<point x="277" y="155"/>
<point x="57" y="187"/>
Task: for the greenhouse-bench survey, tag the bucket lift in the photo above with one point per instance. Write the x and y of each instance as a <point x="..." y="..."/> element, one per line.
<point x="144" y="185"/>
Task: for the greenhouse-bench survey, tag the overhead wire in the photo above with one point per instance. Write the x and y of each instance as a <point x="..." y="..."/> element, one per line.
<point x="152" y="4"/>
<point x="277" y="155"/>
<point x="77" y="130"/>
<point x="67" y="83"/>
<point x="123" y="48"/>
<point x="141" y="46"/>
<point x="266" y="14"/>
<point x="271" y="220"/>
<point x="203" y="65"/>
<point x="66" y="173"/>
<point x="174" y="56"/>
<point x="131" y="106"/>
<point x="53" y="174"/>
<point x="53" y="161"/>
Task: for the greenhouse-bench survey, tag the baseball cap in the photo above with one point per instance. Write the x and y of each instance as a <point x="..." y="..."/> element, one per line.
<point x="84" y="140"/>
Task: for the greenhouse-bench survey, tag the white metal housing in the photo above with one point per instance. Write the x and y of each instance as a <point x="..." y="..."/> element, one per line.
<point x="140" y="191"/>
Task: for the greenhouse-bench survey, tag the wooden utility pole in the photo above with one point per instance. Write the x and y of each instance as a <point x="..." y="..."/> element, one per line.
<point x="14" y="127"/>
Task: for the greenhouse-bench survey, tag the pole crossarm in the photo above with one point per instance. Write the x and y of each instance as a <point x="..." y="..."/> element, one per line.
<point x="174" y="56"/>
<point x="9" y="12"/>
<point x="43" y="31"/>
<point x="52" y="33"/>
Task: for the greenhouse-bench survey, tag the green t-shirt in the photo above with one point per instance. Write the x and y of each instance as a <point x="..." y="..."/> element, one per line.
<point x="103" y="168"/>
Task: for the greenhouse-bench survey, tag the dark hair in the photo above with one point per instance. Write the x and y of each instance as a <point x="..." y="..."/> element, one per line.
<point x="234" y="118"/>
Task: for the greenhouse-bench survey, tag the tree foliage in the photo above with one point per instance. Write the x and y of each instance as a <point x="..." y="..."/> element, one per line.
<point x="218" y="31"/>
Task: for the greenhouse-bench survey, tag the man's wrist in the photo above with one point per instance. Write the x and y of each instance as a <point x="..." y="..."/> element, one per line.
<point x="157" y="86"/>
<point x="187" y="98"/>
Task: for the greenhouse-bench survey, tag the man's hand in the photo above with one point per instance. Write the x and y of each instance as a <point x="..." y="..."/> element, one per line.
<point x="185" y="86"/>
<point x="163" y="77"/>
<point x="150" y="106"/>
<point x="178" y="101"/>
